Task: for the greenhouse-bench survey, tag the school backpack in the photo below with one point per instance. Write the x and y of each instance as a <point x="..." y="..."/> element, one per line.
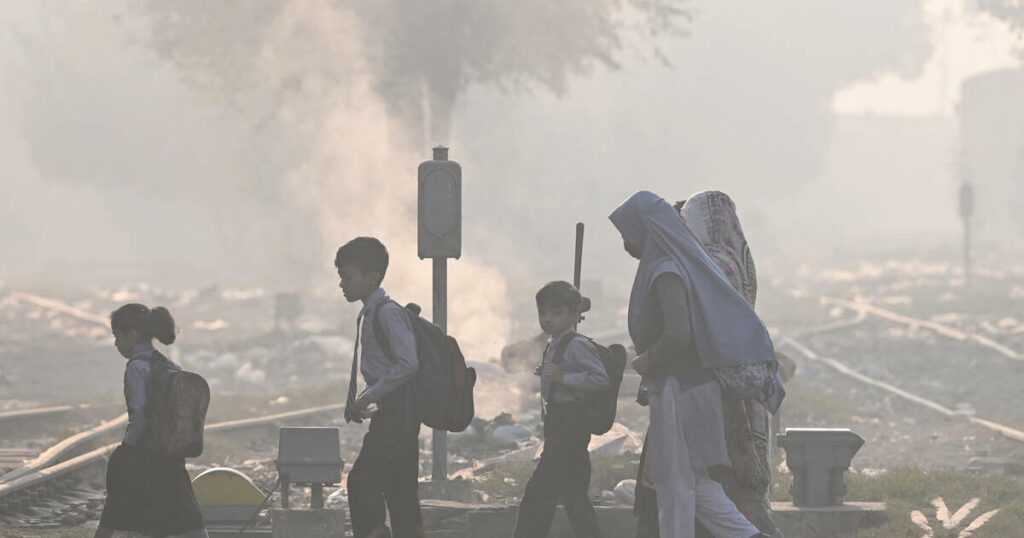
<point x="599" y="407"/>
<point x="175" y="410"/>
<point x="442" y="390"/>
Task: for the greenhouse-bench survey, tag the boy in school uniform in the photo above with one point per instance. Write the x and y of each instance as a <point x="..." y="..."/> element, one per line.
<point x="386" y="472"/>
<point x="563" y="473"/>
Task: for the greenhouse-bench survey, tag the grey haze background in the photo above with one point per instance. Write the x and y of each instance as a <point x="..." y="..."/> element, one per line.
<point x="241" y="143"/>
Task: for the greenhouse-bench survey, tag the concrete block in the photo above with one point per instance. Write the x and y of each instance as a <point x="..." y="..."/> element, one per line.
<point x="612" y="520"/>
<point x="793" y="521"/>
<point x="317" y="523"/>
<point x="492" y="522"/>
<point x="818" y="458"/>
<point x="445" y="515"/>
<point x="458" y="490"/>
<point x="828" y="521"/>
<point x="500" y="522"/>
<point x="231" y="531"/>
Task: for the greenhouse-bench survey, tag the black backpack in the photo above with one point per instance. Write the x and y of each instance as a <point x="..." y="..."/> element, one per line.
<point x="599" y="407"/>
<point x="442" y="391"/>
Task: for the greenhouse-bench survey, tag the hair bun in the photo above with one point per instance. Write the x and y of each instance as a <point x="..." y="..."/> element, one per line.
<point x="160" y="325"/>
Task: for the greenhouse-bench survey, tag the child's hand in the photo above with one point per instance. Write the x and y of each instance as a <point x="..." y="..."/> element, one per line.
<point x="539" y="369"/>
<point x="555" y="374"/>
<point x="642" y="396"/>
<point x="364" y="408"/>
<point x="640" y="363"/>
<point x="370" y="411"/>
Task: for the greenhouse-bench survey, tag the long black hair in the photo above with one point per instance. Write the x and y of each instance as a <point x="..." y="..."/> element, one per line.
<point x="151" y="323"/>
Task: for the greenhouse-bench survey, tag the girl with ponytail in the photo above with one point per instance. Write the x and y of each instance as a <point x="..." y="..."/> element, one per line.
<point x="146" y="492"/>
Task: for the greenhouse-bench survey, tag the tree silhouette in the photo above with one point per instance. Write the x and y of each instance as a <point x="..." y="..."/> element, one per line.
<point x="422" y="55"/>
<point x="1011" y="11"/>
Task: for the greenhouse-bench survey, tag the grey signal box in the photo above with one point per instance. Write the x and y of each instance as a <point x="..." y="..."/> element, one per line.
<point x="439" y="207"/>
<point x="309" y="456"/>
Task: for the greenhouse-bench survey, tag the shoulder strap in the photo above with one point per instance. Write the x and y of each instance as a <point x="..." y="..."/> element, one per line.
<point x="378" y="328"/>
<point x="560" y="355"/>
<point x="562" y="346"/>
<point x="385" y="346"/>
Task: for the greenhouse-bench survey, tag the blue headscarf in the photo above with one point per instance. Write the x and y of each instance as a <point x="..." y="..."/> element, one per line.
<point x="726" y="330"/>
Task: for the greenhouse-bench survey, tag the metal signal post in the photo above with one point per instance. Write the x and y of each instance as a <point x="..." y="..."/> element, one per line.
<point x="439" y="212"/>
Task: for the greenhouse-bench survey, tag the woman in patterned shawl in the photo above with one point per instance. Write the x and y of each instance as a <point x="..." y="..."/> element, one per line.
<point x="711" y="216"/>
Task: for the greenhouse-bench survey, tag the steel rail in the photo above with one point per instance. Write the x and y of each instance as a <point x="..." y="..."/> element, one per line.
<point x="270" y="419"/>
<point x="857" y="319"/>
<point x="1006" y="431"/>
<point x="40" y="477"/>
<point x="65" y="447"/>
<point x="36" y="477"/>
<point x="862" y="309"/>
<point x="938" y="328"/>
<point x="61" y="307"/>
<point x="19" y="414"/>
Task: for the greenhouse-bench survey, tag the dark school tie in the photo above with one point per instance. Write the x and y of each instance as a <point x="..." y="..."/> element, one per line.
<point x="350" y="402"/>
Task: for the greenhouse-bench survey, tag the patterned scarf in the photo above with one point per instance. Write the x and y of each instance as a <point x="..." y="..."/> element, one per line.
<point x="711" y="216"/>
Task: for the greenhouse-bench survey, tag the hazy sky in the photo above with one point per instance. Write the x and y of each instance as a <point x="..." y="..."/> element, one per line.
<point x="114" y="164"/>
<point x="967" y="42"/>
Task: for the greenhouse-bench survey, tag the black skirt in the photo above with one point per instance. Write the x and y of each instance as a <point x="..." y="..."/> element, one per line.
<point x="149" y="494"/>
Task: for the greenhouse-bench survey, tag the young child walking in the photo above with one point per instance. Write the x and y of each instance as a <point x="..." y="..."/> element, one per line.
<point x="146" y="492"/>
<point x="570" y="370"/>
<point x="386" y="472"/>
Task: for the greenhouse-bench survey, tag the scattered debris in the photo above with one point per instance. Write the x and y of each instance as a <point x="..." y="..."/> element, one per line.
<point x="618" y="440"/>
<point x="625" y="491"/>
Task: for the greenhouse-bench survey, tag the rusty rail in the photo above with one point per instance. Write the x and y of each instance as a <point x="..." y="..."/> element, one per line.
<point x="20" y="485"/>
<point x="938" y="328"/>
<point x="37" y="412"/>
<point x="1006" y="431"/>
<point x="64" y="448"/>
<point x="61" y="307"/>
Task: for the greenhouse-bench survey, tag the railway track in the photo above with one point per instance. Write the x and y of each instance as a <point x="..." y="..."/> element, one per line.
<point x="861" y="311"/>
<point x="60" y="307"/>
<point x="67" y="447"/>
<point x="938" y="328"/>
<point x="65" y="481"/>
<point x="38" y="412"/>
<point x="67" y="489"/>
<point x="13" y="456"/>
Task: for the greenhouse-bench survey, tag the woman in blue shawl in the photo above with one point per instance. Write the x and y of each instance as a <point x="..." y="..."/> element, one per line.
<point x="686" y="320"/>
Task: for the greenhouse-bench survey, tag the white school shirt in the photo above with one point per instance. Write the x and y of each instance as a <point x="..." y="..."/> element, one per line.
<point x="584" y="372"/>
<point x="384" y="374"/>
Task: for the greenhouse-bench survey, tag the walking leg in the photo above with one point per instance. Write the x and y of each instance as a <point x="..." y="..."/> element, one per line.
<point x="718" y="513"/>
<point x="401" y="490"/>
<point x="365" y="487"/>
<point x="578" y="507"/>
